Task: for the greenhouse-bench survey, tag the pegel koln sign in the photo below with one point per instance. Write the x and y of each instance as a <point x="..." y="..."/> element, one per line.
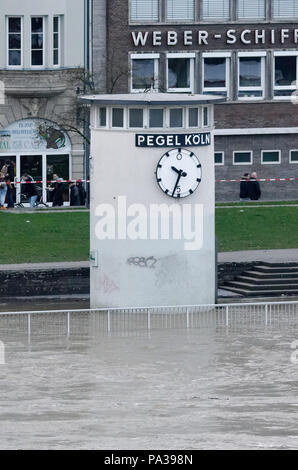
<point x="173" y="140"/>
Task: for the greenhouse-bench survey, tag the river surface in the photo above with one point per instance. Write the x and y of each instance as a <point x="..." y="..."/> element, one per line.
<point x="199" y="388"/>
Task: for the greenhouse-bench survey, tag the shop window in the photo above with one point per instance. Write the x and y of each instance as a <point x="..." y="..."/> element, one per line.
<point x="285" y="8"/>
<point x="193" y="117"/>
<point x="144" y="10"/>
<point x="293" y="156"/>
<point x="271" y="156"/>
<point x="251" y="80"/>
<point x="178" y="10"/>
<point x="242" y="158"/>
<point x="216" y="9"/>
<point x="285" y="74"/>
<point x="176" y="117"/>
<point x="32" y="165"/>
<point x="14" y="41"/>
<point x="156" y="117"/>
<point x="215" y="75"/>
<point x="37" y="41"/>
<point x="144" y="72"/>
<point x="219" y="158"/>
<point x="180" y="73"/>
<point x="117" y="117"/>
<point x="252" y="9"/>
<point x="56" y="40"/>
<point x="136" y="118"/>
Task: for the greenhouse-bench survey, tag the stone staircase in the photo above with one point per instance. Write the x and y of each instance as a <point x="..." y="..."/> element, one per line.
<point x="265" y="280"/>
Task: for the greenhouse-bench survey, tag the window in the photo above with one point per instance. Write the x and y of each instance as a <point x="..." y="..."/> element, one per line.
<point x="180" y="72"/>
<point x="252" y="9"/>
<point x="285" y="8"/>
<point x="136" y="118"/>
<point x="193" y="117"/>
<point x="56" y="40"/>
<point x="180" y="10"/>
<point x="219" y="158"/>
<point x="285" y="74"/>
<point x="102" y="115"/>
<point x="15" y="41"/>
<point x="293" y="156"/>
<point x="216" y="9"/>
<point x="242" y="158"/>
<point x="206" y="116"/>
<point x="144" y="72"/>
<point x="144" y="10"/>
<point x="176" y="117"/>
<point x="156" y="117"/>
<point x="37" y="41"/>
<point x="117" y="117"/>
<point x="251" y="79"/>
<point x="270" y="156"/>
<point x="216" y="74"/>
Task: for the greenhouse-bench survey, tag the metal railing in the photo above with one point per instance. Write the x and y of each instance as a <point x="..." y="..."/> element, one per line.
<point x="90" y="322"/>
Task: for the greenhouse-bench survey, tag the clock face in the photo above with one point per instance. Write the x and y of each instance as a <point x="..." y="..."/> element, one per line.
<point x="179" y="173"/>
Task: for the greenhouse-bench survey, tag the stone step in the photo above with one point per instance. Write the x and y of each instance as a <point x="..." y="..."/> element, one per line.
<point x="281" y="265"/>
<point x="275" y="269"/>
<point x="265" y="293"/>
<point x="267" y="281"/>
<point x="257" y="288"/>
<point x="278" y="275"/>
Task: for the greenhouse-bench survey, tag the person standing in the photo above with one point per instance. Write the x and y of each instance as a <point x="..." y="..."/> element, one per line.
<point x="254" y="187"/>
<point x="3" y="191"/>
<point x="30" y="189"/>
<point x="244" y="187"/>
<point x="58" y="189"/>
<point x="9" y="181"/>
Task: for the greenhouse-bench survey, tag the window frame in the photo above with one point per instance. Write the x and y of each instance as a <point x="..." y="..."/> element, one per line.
<point x="183" y="20"/>
<point x="218" y="55"/>
<point x="43" y="42"/>
<point x="59" y="40"/>
<point x="223" y="158"/>
<point x="262" y="88"/>
<point x="181" y="55"/>
<point x="251" y="19"/>
<point x="244" y="163"/>
<point x="290" y="88"/>
<point x="283" y="19"/>
<point x="15" y="67"/>
<point x="146" y="21"/>
<point x="271" y="163"/>
<point x="290" y="159"/>
<point x="145" y="56"/>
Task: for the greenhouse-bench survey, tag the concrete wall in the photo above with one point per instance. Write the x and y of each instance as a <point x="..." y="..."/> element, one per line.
<point x="177" y="276"/>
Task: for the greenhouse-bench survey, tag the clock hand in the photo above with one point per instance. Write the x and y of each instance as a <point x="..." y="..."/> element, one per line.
<point x="177" y="182"/>
<point x="179" y="171"/>
<point x="175" y="169"/>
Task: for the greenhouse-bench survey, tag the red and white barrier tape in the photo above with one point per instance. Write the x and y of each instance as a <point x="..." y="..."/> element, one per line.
<point x="261" y="180"/>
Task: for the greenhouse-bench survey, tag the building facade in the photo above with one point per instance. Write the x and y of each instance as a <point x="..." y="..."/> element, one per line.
<point x="42" y="60"/>
<point x="244" y="51"/>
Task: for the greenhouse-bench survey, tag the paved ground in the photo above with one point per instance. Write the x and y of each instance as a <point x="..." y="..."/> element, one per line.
<point x="273" y="256"/>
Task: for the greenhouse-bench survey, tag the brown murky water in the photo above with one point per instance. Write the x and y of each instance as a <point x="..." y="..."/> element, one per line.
<point x="203" y="388"/>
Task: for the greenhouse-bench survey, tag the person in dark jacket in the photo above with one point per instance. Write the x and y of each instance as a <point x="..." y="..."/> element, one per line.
<point x="29" y="189"/>
<point x="77" y="194"/>
<point x="58" y="189"/>
<point x="244" y="187"/>
<point x="9" y="181"/>
<point x="254" y="187"/>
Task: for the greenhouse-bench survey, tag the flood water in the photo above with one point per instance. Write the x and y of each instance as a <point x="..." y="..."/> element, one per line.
<point x="196" y="388"/>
